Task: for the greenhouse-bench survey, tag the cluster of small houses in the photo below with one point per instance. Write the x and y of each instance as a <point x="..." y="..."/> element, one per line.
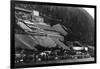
<point x="51" y="54"/>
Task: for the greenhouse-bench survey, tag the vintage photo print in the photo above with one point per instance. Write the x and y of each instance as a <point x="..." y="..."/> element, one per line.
<point x="50" y="34"/>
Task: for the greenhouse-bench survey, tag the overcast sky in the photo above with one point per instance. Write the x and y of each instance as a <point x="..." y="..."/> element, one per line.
<point x="90" y="11"/>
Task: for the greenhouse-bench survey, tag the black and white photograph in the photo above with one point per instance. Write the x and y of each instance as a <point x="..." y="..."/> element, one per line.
<point x="51" y="34"/>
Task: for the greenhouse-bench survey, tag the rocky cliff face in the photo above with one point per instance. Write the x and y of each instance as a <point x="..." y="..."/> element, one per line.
<point x="60" y="24"/>
<point x="40" y="33"/>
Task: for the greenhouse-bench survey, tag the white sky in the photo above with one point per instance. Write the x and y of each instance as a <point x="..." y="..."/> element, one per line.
<point x="90" y="11"/>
